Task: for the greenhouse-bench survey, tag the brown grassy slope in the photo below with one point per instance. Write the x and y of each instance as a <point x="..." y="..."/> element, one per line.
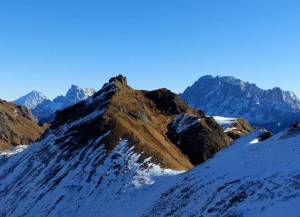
<point x="138" y="119"/>
<point x="17" y="126"/>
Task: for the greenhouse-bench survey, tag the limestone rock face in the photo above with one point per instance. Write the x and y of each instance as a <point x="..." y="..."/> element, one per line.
<point x="226" y="96"/>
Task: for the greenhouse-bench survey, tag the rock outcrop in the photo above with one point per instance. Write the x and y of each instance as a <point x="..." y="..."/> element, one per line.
<point x="197" y="137"/>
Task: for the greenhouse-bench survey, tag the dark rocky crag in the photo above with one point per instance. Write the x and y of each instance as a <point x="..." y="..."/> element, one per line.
<point x="200" y="140"/>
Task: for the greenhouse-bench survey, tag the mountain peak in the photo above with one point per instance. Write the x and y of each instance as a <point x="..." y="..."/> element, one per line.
<point x="76" y="94"/>
<point x="232" y="97"/>
<point x="122" y="79"/>
<point x="74" y="87"/>
<point x="31" y="100"/>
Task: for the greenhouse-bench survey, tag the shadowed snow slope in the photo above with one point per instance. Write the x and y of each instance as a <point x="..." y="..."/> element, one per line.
<point x="245" y="179"/>
<point x="109" y="155"/>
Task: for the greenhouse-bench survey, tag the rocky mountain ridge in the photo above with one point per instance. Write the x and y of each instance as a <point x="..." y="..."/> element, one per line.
<point x="45" y="109"/>
<point x="231" y="97"/>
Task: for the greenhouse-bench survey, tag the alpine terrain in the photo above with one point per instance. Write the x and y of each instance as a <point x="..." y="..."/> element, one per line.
<point x="18" y="127"/>
<point x="44" y="109"/>
<point x="230" y="97"/>
<point x="124" y="152"/>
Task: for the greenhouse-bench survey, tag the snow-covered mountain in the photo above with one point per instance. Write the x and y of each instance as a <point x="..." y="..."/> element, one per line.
<point x="45" y="109"/>
<point x="31" y="100"/>
<point x="74" y="95"/>
<point x="228" y="96"/>
<point x="112" y="155"/>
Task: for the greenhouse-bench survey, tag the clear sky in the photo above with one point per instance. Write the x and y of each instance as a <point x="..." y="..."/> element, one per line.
<point x="47" y="45"/>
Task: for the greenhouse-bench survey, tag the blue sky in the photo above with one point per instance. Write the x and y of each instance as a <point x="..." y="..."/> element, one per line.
<point x="49" y="45"/>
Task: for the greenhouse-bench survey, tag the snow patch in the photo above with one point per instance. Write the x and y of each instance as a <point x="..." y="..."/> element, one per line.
<point x="225" y="122"/>
<point x="183" y="122"/>
<point x="14" y="150"/>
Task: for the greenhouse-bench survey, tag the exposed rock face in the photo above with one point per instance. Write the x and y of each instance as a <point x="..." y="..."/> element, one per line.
<point x="198" y="139"/>
<point x="230" y="97"/>
<point x="170" y="103"/>
<point x="295" y="126"/>
<point x="17" y="126"/>
<point x="119" y="78"/>
<point x="265" y="135"/>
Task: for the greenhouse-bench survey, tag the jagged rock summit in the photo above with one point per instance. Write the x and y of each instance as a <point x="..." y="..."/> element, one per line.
<point x="120" y="78"/>
<point x="227" y="96"/>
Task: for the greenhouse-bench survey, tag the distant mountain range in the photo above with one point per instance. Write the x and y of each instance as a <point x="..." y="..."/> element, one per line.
<point x="44" y="109"/>
<point x="274" y="109"/>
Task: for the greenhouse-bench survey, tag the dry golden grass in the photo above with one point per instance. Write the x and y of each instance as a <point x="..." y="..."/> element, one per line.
<point x="17" y="126"/>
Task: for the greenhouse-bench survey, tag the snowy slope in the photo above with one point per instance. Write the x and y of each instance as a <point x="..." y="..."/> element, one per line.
<point x="245" y="179"/>
<point x="227" y="96"/>
<point x="31" y="100"/>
